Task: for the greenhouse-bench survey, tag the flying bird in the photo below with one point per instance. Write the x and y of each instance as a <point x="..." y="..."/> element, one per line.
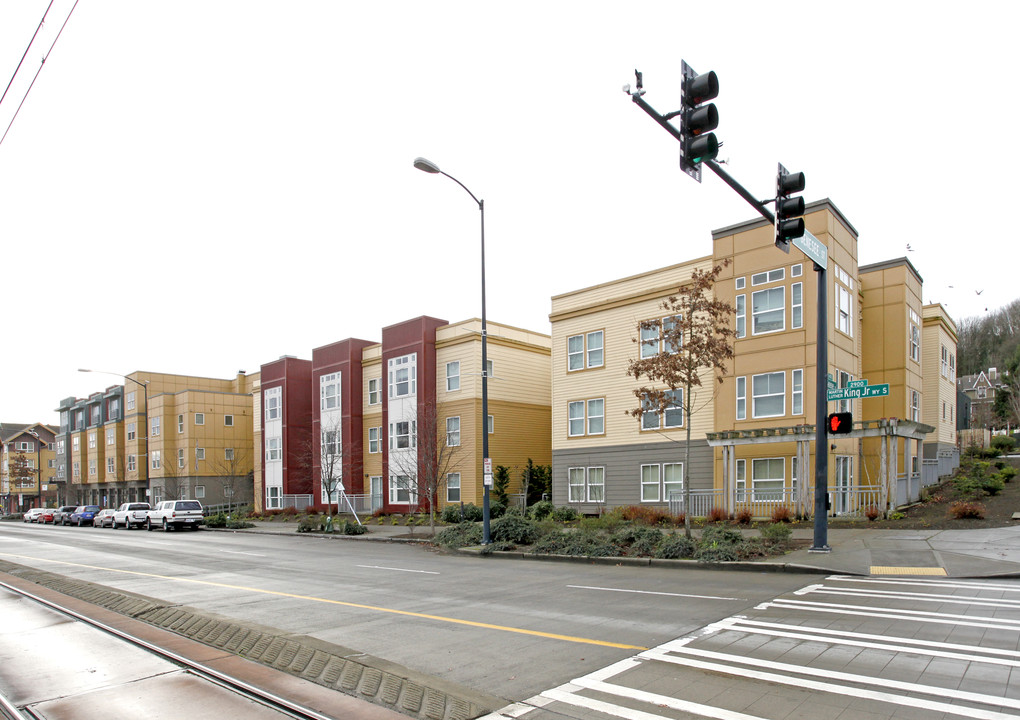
<point x="979" y="291"/>
<point x="909" y="249"/>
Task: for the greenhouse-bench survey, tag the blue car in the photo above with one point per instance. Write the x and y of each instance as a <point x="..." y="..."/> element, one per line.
<point x="83" y="515"/>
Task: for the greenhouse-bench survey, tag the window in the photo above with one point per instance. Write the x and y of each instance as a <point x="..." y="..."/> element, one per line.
<point x="768" y="311"/>
<point x="453" y="487"/>
<point x="129" y="401"/>
<point x="915" y="406"/>
<point x="274" y="499"/>
<point x="796" y="271"/>
<point x="331" y="442"/>
<point x="798" y="392"/>
<point x="199" y="453"/>
<point x="585" y="351"/>
<point x="200" y="417"/>
<point x="131" y="431"/>
<point x="490" y="425"/>
<point x="374" y="439"/>
<point x="374" y="393"/>
<point x="768" y="277"/>
<point x="586" y="484"/>
<point x="111" y="436"/>
<point x="596" y="416"/>
<point x="649" y="483"/>
<point x="741" y="316"/>
<point x="402" y="490"/>
<point x="657" y="483"/>
<point x="180" y="424"/>
<point x="76" y="469"/>
<point x="844" y="311"/>
<point x="488" y="368"/>
<point x="76" y="443"/>
<point x="845" y="379"/>
<point x="797" y="305"/>
<point x="273" y="449"/>
<point x="95" y="415"/>
<point x="131" y="463"/>
<point x="576" y="416"/>
<point x="672" y="479"/>
<point x="200" y="492"/>
<point x="915" y="343"/>
<point x="453" y="376"/>
<point x="403" y="373"/>
<point x="93" y="466"/>
<point x="228" y="453"/>
<point x="741" y="398"/>
<point x="768" y="395"/>
<point x="452" y="431"/>
<point x="649" y="342"/>
<point x="156" y="464"/>
<point x="671" y="417"/>
<point x="944" y="365"/>
<point x="228" y="420"/>
<point x="768" y="479"/>
<point x="154" y="423"/>
<point x="739" y="283"/>
<point x="180" y="458"/>
<point x="92" y="440"/>
<point x="329" y="391"/>
<point x="402" y="435"/>
<point x="272" y="409"/>
<point x="952" y="367"/>
<point x="110" y="466"/>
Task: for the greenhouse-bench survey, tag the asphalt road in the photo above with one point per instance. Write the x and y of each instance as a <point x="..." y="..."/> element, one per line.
<point x="509" y="628"/>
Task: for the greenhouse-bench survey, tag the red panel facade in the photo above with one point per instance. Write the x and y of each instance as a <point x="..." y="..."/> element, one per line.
<point x="294" y="376"/>
<point x="412" y="336"/>
<point x="343" y="357"/>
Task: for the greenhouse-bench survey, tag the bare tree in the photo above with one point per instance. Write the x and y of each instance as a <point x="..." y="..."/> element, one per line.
<point x="175" y="470"/>
<point x="695" y="337"/>
<point x="232" y="473"/>
<point x="438" y="454"/>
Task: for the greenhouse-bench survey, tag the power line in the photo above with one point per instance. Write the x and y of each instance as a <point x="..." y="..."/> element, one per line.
<point x="36" y="76"/>
<point x="34" y="35"/>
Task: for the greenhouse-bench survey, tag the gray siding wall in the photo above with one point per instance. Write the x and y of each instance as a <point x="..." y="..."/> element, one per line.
<point x="623" y="470"/>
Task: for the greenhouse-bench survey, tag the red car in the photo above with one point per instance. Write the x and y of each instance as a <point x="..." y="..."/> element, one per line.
<point x="46" y="516"/>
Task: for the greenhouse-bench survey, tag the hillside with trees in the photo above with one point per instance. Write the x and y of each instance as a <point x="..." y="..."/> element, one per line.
<point x="990" y="341"/>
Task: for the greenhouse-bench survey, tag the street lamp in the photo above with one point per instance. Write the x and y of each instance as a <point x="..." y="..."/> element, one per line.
<point x="145" y="416"/>
<point x="430" y="167"/>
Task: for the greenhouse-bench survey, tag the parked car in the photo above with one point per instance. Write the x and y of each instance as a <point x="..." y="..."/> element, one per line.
<point x="46" y="516"/>
<point x="175" y="514"/>
<point x="131" y="514"/>
<point x="103" y="518"/>
<point x="32" y="515"/>
<point x="83" y="515"/>
<point x="63" y="512"/>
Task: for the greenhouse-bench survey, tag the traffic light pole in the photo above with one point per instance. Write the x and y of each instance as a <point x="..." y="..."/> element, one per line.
<point x="821" y="527"/>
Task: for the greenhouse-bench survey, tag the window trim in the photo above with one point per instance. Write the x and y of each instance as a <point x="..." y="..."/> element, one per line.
<point x="453" y="434"/>
<point x="454" y="378"/>
<point x="449" y="486"/>
<point x="779" y="311"/>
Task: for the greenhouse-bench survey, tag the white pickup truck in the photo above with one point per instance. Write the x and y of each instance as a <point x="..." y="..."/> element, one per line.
<point x="175" y="514"/>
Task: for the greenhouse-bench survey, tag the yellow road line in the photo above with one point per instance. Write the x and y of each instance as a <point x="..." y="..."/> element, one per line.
<point x="893" y="570"/>
<point x="440" y="618"/>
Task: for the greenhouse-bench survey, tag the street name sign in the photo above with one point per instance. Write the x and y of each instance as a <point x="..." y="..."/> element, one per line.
<point x="813" y="248"/>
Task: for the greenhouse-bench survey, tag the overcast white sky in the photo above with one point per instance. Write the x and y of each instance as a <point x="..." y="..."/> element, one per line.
<point x="201" y="186"/>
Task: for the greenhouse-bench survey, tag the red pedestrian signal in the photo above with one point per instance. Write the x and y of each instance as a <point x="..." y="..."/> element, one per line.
<point x="840" y="423"/>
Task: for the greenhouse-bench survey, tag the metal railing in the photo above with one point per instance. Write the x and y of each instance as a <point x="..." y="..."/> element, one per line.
<point x="852" y="501"/>
<point x="299" y="502"/>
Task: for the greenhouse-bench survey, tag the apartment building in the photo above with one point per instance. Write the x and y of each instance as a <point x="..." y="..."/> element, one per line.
<point x="159" y="436"/>
<point x="381" y="421"/>
<point x="24" y="449"/>
<point x="752" y="434"/>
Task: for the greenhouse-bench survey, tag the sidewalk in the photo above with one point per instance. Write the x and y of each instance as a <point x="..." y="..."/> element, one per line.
<point x="983" y="552"/>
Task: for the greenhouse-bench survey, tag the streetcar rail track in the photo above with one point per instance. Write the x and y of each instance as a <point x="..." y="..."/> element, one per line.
<point x="8" y="711"/>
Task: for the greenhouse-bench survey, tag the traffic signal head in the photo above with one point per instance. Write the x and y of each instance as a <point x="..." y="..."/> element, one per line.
<point x="698" y="120"/>
<point x="840" y="423"/>
<point x="789" y="224"/>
